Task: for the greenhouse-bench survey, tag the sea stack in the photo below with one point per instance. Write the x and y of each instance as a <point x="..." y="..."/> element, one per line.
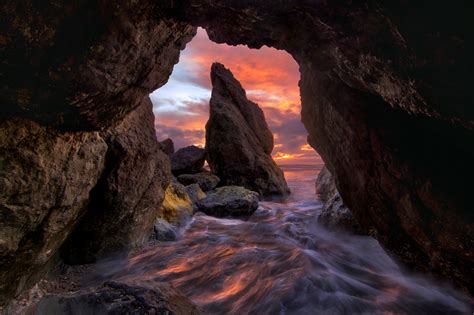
<point x="238" y="140"/>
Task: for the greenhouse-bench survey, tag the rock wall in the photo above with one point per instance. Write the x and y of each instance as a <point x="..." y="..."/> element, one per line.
<point x="45" y="180"/>
<point x="84" y="65"/>
<point x="124" y="205"/>
<point x="81" y="69"/>
<point x="386" y="102"/>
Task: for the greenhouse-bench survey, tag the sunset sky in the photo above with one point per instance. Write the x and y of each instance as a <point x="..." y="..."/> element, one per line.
<point x="270" y="78"/>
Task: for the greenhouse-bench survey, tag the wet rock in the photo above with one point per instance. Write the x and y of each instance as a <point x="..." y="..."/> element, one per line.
<point x="177" y="207"/>
<point x="188" y="160"/>
<point x="229" y="201"/>
<point x="238" y="140"/>
<point x="207" y="181"/>
<point x="128" y="195"/>
<point x="164" y="231"/>
<point x="167" y="146"/>
<point x="119" y="297"/>
<point x="335" y="213"/>
<point x="46" y="177"/>
<point x="195" y="193"/>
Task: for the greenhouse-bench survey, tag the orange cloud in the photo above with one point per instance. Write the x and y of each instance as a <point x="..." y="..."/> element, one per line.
<point x="270" y="78"/>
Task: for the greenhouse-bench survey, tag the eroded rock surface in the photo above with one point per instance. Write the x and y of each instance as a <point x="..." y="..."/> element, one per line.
<point x="128" y="195"/>
<point x="335" y="213"/>
<point x="119" y="297"/>
<point x="229" y="201"/>
<point x="238" y="140"/>
<point x="188" y="160"/>
<point x="81" y="65"/>
<point x="45" y="180"/>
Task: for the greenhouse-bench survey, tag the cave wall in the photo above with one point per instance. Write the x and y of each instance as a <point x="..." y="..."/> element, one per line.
<point x="385" y="99"/>
<point x="81" y="171"/>
<point x="386" y="102"/>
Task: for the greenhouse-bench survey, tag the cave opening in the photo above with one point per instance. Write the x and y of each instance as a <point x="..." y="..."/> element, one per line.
<point x="385" y="100"/>
<point x="270" y="78"/>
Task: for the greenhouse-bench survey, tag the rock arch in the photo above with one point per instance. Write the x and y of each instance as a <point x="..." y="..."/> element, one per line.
<point x="385" y="99"/>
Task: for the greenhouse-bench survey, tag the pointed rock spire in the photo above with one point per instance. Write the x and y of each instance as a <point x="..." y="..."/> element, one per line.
<point x="238" y="140"/>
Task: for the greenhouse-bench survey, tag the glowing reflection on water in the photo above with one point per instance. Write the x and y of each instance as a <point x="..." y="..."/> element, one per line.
<point x="280" y="261"/>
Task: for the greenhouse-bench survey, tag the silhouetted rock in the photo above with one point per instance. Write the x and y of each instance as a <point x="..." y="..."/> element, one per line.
<point x="238" y="140"/>
<point x="206" y="180"/>
<point x="335" y="213"/>
<point x="119" y="297"/>
<point x="195" y="193"/>
<point x="167" y="146"/>
<point x="229" y="201"/>
<point x="188" y="160"/>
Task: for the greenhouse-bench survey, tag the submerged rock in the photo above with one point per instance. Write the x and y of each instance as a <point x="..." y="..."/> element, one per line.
<point x="164" y="231"/>
<point x="335" y="213"/>
<point x="207" y="181"/>
<point x="229" y="201"/>
<point x="119" y="297"/>
<point x="177" y="207"/>
<point x="238" y="140"/>
<point x="167" y="146"/>
<point x="188" y="160"/>
<point x="195" y="193"/>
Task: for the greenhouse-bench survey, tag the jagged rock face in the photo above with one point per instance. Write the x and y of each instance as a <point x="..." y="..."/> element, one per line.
<point x="84" y="65"/>
<point x="387" y="103"/>
<point x="335" y="214"/>
<point x="238" y="140"/>
<point x="45" y="181"/>
<point x="125" y="203"/>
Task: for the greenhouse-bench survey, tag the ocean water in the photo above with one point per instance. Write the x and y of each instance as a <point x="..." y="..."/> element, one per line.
<point x="280" y="261"/>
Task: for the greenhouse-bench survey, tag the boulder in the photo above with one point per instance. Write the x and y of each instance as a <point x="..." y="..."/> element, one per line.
<point x="195" y="193"/>
<point x="118" y="297"/>
<point x="335" y="213"/>
<point x="229" y="201"/>
<point x="167" y="146"/>
<point x="164" y="231"/>
<point x="128" y="195"/>
<point x="207" y="181"/>
<point x="177" y="206"/>
<point x="188" y="160"/>
<point x="238" y="140"/>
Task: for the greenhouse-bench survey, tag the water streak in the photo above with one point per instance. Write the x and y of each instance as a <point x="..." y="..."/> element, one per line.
<point x="280" y="261"/>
